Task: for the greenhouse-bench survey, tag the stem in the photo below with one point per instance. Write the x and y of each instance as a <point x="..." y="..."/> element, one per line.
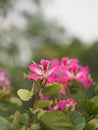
<point x="36" y="99"/>
<point x="30" y="119"/>
<point x="68" y="92"/>
<point x="29" y="123"/>
<point x="37" y="95"/>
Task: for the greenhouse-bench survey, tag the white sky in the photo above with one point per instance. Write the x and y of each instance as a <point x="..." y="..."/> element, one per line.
<point x="80" y="17"/>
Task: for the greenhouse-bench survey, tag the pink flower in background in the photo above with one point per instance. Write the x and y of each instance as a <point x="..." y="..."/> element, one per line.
<point x="4" y="79"/>
<point x="41" y="71"/>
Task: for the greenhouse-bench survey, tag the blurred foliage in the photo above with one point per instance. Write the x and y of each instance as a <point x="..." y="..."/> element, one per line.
<point x="5" y="5"/>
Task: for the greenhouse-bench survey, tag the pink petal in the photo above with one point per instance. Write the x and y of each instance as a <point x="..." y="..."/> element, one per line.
<point x="85" y="81"/>
<point x="53" y="108"/>
<point x="62" y="104"/>
<point x="74" y="61"/>
<point x="34" y="76"/>
<point x="84" y="71"/>
<point x="71" y="101"/>
<point x="52" y="78"/>
<point x="64" y="61"/>
<point x="7" y="84"/>
<point x="74" y="68"/>
<point x="35" y="68"/>
<point x="55" y="64"/>
<point x="45" y="64"/>
<point x="63" y="91"/>
<point x="51" y="71"/>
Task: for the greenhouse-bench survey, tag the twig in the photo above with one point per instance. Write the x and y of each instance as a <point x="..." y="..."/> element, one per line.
<point x="93" y="116"/>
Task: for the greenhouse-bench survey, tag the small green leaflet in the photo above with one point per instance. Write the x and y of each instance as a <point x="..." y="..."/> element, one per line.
<point x="25" y="94"/>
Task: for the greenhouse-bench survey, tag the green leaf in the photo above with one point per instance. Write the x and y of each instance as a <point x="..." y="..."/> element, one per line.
<point x="76" y="86"/>
<point x="52" y="89"/>
<point x="5" y="93"/>
<point x="89" y="106"/>
<point x="89" y="126"/>
<point x="96" y="89"/>
<point x="25" y="75"/>
<point x="78" y="120"/>
<point x="43" y="103"/>
<point x="25" y="94"/>
<point x="35" y="127"/>
<point x="24" y="118"/>
<point x="4" y="107"/>
<point x="92" y="125"/>
<point x="95" y="99"/>
<point x="94" y="122"/>
<point x="55" y="120"/>
<point x="4" y="124"/>
<point x="15" y="101"/>
<point x="15" y="123"/>
<point x="40" y="113"/>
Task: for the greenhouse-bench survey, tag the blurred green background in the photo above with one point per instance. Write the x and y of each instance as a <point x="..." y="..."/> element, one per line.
<point x="34" y="38"/>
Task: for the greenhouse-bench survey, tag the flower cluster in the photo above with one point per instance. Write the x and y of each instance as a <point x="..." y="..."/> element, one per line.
<point x="61" y="72"/>
<point x="4" y="78"/>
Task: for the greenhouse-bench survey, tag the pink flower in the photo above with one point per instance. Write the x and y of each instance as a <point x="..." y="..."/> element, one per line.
<point x="69" y="104"/>
<point x="41" y="71"/>
<point x="79" y="73"/>
<point x="62" y="104"/>
<point x="63" y="91"/>
<point x="53" y="108"/>
<point x="59" y="74"/>
<point x="65" y="61"/>
<point x="4" y="79"/>
<point x="84" y="77"/>
<point x="43" y="97"/>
